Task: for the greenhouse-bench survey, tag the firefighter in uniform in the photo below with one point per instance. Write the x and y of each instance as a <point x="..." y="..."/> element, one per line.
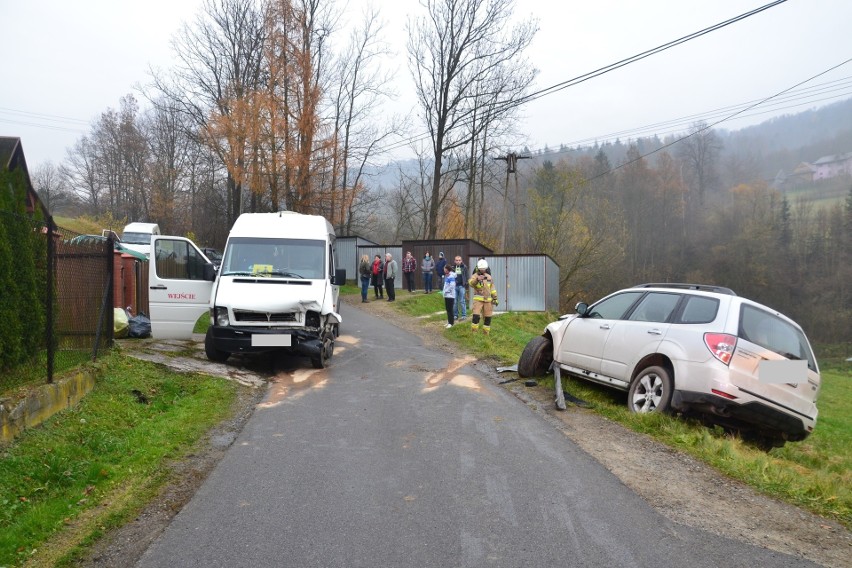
<point x="484" y="296"/>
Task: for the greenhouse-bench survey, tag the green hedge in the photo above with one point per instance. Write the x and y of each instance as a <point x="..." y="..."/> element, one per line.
<point x="22" y="274"/>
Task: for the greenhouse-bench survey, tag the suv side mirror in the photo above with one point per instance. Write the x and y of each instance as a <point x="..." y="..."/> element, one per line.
<point x="582" y="308"/>
<point x="339" y="277"/>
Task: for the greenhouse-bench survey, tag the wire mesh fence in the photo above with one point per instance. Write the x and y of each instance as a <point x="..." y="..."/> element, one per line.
<point x="63" y="312"/>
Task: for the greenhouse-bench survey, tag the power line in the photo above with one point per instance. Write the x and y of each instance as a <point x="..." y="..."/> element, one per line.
<point x="709" y="126"/>
<point x="38" y="125"/>
<point x="678" y="124"/>
<point x="601" y="71"/>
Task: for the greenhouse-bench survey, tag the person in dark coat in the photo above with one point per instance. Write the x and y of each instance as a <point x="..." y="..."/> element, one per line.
<point x="391" y="271"/>
<point x="364" y="271"/>
<point x="377" y="270"/>
<point x="439" y="268"/>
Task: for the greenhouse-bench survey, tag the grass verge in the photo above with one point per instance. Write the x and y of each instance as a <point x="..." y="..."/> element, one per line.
<point x="815" y="474"/>
<point x="95" y="466"/>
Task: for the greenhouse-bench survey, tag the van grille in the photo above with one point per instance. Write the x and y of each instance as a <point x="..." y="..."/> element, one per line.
<point x="264" y="317"/>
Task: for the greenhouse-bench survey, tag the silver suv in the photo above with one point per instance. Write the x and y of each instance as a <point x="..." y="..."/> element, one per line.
<point x="692" y="349"/>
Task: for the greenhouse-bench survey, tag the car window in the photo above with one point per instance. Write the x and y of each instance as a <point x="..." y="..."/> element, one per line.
<point x="771" y="332"/>
<point x="699" y="309"/>
<point x="655" y="307"/>
<point x="178" y="260"/>
<point x="614" y="307"/>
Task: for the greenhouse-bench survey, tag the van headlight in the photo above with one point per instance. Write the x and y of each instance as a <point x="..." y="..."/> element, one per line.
<point x="312" y="319"/>
<point x="220" y="317"/>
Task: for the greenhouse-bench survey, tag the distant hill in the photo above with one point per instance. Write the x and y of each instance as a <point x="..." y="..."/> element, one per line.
<point x="777" y="145"/>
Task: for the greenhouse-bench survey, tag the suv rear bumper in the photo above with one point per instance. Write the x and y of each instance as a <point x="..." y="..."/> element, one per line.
<point x="753" y="415"/>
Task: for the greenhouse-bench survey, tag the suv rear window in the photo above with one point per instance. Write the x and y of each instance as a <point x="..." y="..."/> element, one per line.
<point x="773" y="333"/>
<point x="699" y="309"/>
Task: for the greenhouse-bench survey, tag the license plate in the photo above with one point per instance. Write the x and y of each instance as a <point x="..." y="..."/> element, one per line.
<point x="783" y="372"/>
<point x="270" y="340"/>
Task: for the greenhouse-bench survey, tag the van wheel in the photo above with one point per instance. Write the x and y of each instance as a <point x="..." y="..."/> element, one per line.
<point x="651" y="391"/>
<point x="210" y="350"/>
<point x="321" y="362"/>
<point x="536" y="358"/>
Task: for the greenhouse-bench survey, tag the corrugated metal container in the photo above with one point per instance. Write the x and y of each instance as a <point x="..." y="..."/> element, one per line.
<point x="525" y="283"/>
<point x="372" y="250"/>
<point x="347" y="255"/>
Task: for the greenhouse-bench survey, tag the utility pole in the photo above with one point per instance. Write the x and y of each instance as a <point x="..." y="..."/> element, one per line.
<point x="511" y="160"/>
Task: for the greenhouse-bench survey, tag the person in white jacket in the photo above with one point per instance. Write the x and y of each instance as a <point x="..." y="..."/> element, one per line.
<point x="449" y="294"/>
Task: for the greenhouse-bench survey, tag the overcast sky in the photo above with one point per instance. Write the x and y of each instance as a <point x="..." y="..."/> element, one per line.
<point x="65" y="62"/>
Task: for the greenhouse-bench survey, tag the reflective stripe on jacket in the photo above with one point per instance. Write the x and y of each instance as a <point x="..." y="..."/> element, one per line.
<point x="484" y="290"/>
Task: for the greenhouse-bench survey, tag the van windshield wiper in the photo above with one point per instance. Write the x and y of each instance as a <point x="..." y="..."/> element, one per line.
<point x="264" y="274"/>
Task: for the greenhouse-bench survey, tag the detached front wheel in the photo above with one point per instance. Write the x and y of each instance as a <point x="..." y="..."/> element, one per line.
<point x="651" y="391"/>
<point x="536" y="357"/>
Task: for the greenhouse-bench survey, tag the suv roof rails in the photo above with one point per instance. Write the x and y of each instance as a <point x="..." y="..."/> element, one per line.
<point x="702" y="287"/>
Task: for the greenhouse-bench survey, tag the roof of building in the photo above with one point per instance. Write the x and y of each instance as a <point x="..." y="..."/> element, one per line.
<point x="834" y="158"/>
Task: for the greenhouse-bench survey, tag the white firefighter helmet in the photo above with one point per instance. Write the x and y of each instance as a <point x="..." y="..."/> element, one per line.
<point x="481" y="264"/>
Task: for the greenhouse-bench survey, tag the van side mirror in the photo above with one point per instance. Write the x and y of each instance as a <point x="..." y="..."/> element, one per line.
<point x="582" y="308"/>
<point x="209" y="272"/>
<point x="339" y="277"/>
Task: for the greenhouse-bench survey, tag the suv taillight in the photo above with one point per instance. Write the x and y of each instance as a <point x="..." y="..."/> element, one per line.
<point x="721" y="345"/>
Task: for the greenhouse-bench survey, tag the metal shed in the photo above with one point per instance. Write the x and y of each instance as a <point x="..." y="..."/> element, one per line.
<point x="525" y="283"/>
<point x="347" y="255"/>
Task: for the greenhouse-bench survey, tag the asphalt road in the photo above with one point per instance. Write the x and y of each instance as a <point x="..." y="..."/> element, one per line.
<point x="399" y="456"/>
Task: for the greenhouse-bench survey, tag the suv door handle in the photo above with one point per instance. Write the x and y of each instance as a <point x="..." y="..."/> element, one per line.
<point x="159" y="287"/>
<point x="655" y="332"/>
<point x="605" y="326"/>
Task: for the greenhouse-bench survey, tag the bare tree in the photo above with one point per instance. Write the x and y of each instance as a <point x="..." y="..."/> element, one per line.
<point x="81" y="171"/>
<point x="51" y="186"/>
<point x="461" y="53"/>
<point x="362" y="86"/>
<point x="169" y="146"/>
<point x="700" y="153"/>
<point x="219" y="71"/>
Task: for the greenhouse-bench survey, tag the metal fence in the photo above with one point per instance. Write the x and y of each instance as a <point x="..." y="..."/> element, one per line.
<point x="83" y="270"/>
<point x="76" y="274"/>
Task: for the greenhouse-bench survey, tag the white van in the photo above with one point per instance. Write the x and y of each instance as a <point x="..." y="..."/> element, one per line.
<point x="276" y="288"/>
<point x="137" y="236"/>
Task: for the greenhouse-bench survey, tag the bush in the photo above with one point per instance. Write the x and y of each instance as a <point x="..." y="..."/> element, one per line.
<point x="22" y="264"/>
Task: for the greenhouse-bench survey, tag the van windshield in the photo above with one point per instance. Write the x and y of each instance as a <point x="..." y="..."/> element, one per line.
<point x="274" y="258"/>
<point x="136" y="238"/>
